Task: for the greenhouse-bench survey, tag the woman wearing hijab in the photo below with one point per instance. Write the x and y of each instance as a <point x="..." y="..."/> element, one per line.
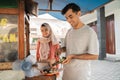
<point x="47" y="46"/>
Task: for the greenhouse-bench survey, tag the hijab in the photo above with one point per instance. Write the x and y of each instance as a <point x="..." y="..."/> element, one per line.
<point x="44" y="42"/>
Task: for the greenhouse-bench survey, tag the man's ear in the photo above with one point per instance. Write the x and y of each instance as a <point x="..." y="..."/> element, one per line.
<point x="79" y="13"/>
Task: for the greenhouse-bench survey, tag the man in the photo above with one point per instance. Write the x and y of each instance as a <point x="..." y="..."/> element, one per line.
<point x="81" y="45"/>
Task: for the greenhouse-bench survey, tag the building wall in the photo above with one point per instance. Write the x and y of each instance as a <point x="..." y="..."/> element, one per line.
<point x="117" y="30"/>
<point x="110" y="8"/>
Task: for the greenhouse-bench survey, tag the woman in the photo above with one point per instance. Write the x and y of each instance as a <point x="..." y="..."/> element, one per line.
<point x="47" y="46"/>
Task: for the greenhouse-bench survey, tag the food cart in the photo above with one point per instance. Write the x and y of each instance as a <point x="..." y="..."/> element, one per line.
<point x="12" y="39"/>
<point x="14" y="33"/>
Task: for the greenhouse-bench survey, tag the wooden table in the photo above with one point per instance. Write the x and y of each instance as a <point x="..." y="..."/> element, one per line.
<point x="42" y="77"/>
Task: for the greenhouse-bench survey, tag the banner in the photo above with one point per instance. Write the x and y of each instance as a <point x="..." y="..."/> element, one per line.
<point x="8" y="37"/>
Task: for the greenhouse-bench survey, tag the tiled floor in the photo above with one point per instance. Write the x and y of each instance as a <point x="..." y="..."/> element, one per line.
<point x="106" y="69"/>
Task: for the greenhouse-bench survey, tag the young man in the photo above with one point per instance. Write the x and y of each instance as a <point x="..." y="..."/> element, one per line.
<point x="81" y="45"/>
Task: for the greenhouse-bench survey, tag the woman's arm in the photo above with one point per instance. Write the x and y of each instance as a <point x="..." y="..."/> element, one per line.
<point x="37" y="50"/>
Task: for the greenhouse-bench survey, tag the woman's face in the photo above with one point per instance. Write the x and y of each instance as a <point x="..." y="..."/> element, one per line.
<point x="45" y="31"/>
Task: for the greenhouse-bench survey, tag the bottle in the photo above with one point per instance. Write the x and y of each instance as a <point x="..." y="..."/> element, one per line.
<point x="60" y="61"/>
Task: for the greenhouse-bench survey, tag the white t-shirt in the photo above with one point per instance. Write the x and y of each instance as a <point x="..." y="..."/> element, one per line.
<point x="82" y="40"/>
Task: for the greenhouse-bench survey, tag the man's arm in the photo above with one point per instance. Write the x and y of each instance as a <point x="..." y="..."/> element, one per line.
<point x="86" y="56"/>
<point x="81" y="57"/>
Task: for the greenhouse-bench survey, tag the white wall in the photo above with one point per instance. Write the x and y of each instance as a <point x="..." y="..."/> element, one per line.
<point x="117" y="30"/>
<point x="114" y="8"/>
<point x="110" y="8"/>
<point x="88" y="18"/>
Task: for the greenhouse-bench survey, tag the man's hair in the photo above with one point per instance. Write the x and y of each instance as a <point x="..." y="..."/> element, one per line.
<point x="73" y="6"/>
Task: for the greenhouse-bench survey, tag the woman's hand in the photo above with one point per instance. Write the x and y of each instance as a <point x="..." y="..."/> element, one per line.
<point x="58" y="52"/>
<point x="51" y="61"/>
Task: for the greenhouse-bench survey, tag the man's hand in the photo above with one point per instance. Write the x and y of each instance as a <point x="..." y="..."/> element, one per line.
<point x="68" y="59"/>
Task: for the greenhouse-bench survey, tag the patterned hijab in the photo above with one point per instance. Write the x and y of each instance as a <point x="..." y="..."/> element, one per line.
<point x="44" y="42"/>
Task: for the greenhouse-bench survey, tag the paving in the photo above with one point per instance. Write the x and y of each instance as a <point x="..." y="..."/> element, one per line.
<point x="108" y="69"/>
<point x="105" y="70"/>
